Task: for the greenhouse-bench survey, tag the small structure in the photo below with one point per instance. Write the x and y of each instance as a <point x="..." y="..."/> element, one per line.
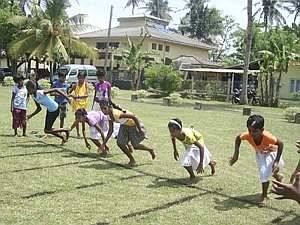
<point x="167" y="101"/>
<point x="246" y="111"/>
<point x="198" y="106"/>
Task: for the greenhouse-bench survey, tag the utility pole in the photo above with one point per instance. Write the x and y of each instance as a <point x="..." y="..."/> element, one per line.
<point x="108" y="39"/>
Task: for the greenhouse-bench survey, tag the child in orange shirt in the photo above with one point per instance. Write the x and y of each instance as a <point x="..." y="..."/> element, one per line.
<point x="268" y="152"/>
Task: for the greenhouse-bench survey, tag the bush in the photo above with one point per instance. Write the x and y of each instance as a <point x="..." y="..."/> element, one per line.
<point x="296" y="96"/>
<point x="114" y="92"/>
<point x="176" y="99"/>
<point x="290" y="113"/>
<point x="8" y="81"/>
<point x="141" y="93"/>
<point x="163" y="77"/>
<point x="44" y="84"/>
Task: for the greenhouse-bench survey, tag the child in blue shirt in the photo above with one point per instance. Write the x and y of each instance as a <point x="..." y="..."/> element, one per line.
<point x="61" y="100"/>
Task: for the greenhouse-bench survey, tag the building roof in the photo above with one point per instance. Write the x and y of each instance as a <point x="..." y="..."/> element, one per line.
<point x="187" y="62"/>
<point x="142" y="16"/>
<point x="213" y="70"/>
<point x="154" y="33"/>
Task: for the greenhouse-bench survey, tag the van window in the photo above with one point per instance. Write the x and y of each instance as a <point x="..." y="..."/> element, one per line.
<point x="92" y="72"/>
<point x="82" y="71"/>
<point x="73" y="72"/>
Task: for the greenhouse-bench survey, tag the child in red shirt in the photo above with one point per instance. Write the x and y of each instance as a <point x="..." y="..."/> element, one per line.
<point x="268" y="152"/>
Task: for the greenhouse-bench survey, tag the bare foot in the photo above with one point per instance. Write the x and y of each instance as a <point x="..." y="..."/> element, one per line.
<point x="262" y="201"/>
<point x="132" y="163"/>
<point x="152" y="153"/>
<point x="63" y="141"/>
<point x="130" y="148"/>
<point x="25" y="135"/>
<point x="212" y="165"/>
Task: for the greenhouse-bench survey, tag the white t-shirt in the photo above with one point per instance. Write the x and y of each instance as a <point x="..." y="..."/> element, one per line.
<point x="20" y="100"/>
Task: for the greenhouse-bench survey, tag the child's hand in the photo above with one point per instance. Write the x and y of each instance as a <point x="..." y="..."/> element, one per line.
<point x="176" y="155"/>
<point x="88" y="146"/>
<point x="200" y="169"/>
<point x="292" y="179"/>
<point x="288" y="191"/>
<point x="232" y="161"/>
<point x="103" y="147"/>
<point x="275" y="167"/>
<point x="28" y="117"/>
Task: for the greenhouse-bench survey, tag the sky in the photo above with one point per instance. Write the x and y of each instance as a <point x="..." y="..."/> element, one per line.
<point x="98" y="10"/>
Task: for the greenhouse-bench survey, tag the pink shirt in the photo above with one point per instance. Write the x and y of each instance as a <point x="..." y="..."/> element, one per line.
<point x="102" y="90"/>
<point x="96" y="118"/>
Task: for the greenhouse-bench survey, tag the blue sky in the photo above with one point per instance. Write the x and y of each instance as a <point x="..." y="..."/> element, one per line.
<point x="98" y="10"/>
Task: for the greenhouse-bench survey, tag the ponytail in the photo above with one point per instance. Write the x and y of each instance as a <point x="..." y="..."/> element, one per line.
<point x="111" y="105"/>
<point x="80" y="112"/>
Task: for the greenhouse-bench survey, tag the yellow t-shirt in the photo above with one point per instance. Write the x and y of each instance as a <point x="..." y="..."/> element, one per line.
<point x="80" y="91"/>
<point x="125" y="121"/>
<point x="192" y="136"/>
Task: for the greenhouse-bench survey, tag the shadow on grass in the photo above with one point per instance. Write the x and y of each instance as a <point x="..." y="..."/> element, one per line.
<point x="100" y="223"/>
<point x="246" y="202"/>
<point x="283" y="220"/>
<point x="174" y="183"/>
<point x="109" y="166"/>
<point x="31" y="154"/>
<point x="164" y="206"/>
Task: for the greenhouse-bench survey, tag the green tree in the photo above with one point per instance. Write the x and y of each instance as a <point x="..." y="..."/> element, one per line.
<point x="293" y="7"/>
<point x="135" y="59"/>
<point x="163" y="77"/>
<point x="270" y="12"/>
<point x="47" y="34"/>
<point x="159" y="8"/>
<point x="134" y="4"/>
<point x="201" y="22"/>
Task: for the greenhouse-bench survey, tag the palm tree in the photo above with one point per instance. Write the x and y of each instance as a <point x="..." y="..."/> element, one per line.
<point x="47" y="34"/>
<point x="270" y="12"/>
<point x="159" y="8"/>
<point x="244" y="99"/>
<point x="134" y="4"/>
<point x="293" y="7"/>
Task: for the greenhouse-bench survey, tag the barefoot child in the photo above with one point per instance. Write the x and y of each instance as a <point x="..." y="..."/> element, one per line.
<point x="96" y="122"/>
<point x="41" y="97"/>
<point x="80" y="96"/>
<point x="268" y="152"/>
<point x="61" y="100"/>
<point x="102" y="90"/>
<point x="130" y="130"/>
<point x="19" y="105"/>
<point x="197" y="156"/>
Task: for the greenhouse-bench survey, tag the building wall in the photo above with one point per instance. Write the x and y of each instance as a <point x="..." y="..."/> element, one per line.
<point x="293" y="74"/>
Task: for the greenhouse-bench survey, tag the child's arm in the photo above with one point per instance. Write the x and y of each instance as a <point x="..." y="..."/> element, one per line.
<point x="176" y="155"/>
<point x="73" y="125"/>
<point x="109" y="93"/>
<point x="235" y="156"/>
<point x="110" y="132"/>
<point x="84" y="136"/>
<point x="98" y="128"/>
<point x="134" y="118"/>
<point x="56" y="91"/>
<point x="37" y="110"/>
<point x="201" y="148"/>
<point x="278" y="156"/>
<point x="12" y="102"/>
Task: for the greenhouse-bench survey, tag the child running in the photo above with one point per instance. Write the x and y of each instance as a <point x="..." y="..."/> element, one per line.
<point x="41" y="97"/>
<point x="61" y="100"/>
<point x="268" y="152"/>
<point x="80" y="96"/>
<point x="131" y="130"/>
<point x="96" y="122"/>
<point x="18" y="106"/>
<point x="197" y="156"/>
<point x="102" y="90"/>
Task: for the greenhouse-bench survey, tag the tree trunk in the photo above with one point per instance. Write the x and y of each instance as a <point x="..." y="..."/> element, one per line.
<point x="244" y="99"/>
<point x="132" y="73"/>
<point x="261" y="88"/>
<point x="271" y="90"/>
<point x="266" y="90"/>
<point x="276" y="101"/>
<point x="138" y="80"/>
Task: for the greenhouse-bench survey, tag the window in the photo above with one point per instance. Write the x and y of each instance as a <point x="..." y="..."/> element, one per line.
<point x="167" y="48"/>
<point x="101" y="45"/>
<point x="114" y="44"/>
<point x="297" y="85"/>
<point x="82" y="61"/>
<point x="292" y="85"/>
<point x="154" y="46"/>
<point x="73" y="72"/>
<point x="160" y="47"/>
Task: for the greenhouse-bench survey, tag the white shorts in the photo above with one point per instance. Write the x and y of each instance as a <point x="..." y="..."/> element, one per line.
<point x="191" y="157"/>
<point x="265" y="163"/>
<point x="94" y="134"/>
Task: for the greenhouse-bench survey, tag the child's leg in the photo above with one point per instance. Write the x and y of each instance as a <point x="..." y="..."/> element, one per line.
<point x="127" y="153"/>
<point x="190" y="171"/>
<point x="15" y="131"/>
<point x="212" y="165"/>
<point x="264" y="196"/>
<point x="24" y="129"/>
<point x="77" y="130"/>
<point x="145" y="148"/>
<point x="98" y="144"/>
<point x="62" y="121"/>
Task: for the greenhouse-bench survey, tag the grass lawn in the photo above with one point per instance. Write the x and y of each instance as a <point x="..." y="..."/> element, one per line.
<point x="44" y="183"/>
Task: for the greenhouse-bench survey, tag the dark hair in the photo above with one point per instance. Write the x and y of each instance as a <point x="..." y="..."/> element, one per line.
<point x="83" y="74"/>
<point x="256" y="122"/>
<point x="80" y="112"/>
<point x="18" y="78"/>
<point x="100" y="73"/>
<point x="31" y="84"/>
<point x="61" y="74"/>
<point x="174" y="125"/>
<point x="110" y="104"/>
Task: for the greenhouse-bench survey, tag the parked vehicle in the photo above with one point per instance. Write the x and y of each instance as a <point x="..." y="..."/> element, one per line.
<point x="235" y="98"/>
<point x="251" y="95"/>
<point x="72" y="71"/>
<point x="4" y="72"/>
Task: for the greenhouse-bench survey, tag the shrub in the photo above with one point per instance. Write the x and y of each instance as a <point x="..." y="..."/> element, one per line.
<point x="8" y="81"/>
<point x="44" y="84"/>
<point x="141" y="93"/>
<point x="176" y="99"/>
<point x="114" y="92"/>
<point x="290" y="113"/>
<point x="163" y="77"/>
<point x="296" y="96"/>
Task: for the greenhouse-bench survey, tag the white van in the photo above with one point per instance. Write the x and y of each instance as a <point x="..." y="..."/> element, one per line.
<point x="72" y="71"/>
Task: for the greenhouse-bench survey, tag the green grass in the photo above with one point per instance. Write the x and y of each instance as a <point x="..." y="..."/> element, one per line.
<point x="44" y="183"/>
